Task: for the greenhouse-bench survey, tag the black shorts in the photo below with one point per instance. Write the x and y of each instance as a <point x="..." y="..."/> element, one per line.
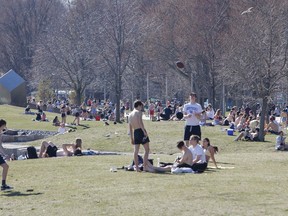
<point x="63" y="115"/>
<point x="2" y="161"/>
<point x="199" y="167"/>
<point x="273" y="132"/>
<point x="51" y="151"/>
<point x="139" y="137"/>
<point x="184" y="165"/>
<point x="192" y="130"/>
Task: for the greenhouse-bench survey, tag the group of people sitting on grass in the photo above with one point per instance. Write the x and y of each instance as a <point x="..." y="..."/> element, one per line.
<point x="194" y="159"/>
<point x="249" y="129"/>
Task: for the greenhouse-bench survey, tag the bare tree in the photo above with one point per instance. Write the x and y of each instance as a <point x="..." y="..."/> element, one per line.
<point x="21" y="25"/>
<point x="121" y="29"/>
<point x="69" y="52"/>
<point x="258" y="54"/>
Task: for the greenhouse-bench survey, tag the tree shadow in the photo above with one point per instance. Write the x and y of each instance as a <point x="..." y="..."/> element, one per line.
<point x="18" y="193"/>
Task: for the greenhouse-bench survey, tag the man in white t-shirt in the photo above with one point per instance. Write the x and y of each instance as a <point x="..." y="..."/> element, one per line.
<point x="199" y="163"/>
<point x="192" y="115"/>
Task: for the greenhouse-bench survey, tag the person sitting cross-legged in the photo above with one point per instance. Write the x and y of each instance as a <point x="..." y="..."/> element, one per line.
<point x="273" y="127"/>
<point x="199" y="163"/>
<point x="185" y="161"/>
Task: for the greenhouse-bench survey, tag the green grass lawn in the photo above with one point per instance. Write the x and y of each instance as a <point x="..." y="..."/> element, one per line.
<point x="85" y="186"/>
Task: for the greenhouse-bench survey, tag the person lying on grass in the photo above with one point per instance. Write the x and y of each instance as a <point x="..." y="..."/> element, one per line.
<point x="49" y="149"/>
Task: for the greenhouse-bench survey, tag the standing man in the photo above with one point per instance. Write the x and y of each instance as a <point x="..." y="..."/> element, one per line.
<point x="3" y="164"/>
<point x="192" y="115"/>
<point x="138" y="134"/>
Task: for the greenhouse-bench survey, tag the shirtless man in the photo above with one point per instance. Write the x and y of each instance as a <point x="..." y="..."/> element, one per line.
<point x="138" y="134"/>
<point x="273" y="126"/>
<point x="187" y="158"/>
<point x="185" y="161"/>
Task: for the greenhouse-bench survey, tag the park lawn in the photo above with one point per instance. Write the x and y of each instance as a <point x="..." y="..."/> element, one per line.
<point x="251" y="181"/>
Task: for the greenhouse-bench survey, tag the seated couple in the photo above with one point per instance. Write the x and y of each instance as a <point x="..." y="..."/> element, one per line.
<point x="49" y="149"/>
<point x="194" y="157"/>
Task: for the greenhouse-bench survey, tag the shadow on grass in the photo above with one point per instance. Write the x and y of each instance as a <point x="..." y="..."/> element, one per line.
<point x="18" y="193"/>
<point x="225" y="163"/>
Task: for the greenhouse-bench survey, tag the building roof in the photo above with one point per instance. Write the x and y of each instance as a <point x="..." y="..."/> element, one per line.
<point x="11" y="80"/>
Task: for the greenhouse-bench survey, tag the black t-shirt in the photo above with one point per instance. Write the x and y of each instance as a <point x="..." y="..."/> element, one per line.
<point x="167" y="111"/>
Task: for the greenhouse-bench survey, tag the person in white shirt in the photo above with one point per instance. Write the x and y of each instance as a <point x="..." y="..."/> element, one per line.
<point x="210" y="112"/>
<point x="192" y="115"/>
<point x="62" y="129"/>
<point x="199" y="163"/>
<point x="280" y="142"/>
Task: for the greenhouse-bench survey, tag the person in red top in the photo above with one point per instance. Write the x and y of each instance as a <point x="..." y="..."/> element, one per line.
<point x="89" y="102"/>
<point x="151" y="110"/>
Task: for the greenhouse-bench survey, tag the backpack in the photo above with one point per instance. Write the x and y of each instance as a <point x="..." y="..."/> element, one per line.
<point x="31" y="152"/>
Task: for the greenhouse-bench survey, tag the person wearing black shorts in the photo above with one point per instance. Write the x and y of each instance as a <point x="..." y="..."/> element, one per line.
<point x="3" y="163"/>
<point x="138" y="134"/>
<point x="192" y="114"/>
<point x="140" y="138"/>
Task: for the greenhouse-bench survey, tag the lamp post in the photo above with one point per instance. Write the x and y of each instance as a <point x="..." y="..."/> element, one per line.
<point x="147" y="80"/>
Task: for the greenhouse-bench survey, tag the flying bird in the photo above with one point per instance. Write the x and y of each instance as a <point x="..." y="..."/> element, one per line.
<point x="249" y="10"/>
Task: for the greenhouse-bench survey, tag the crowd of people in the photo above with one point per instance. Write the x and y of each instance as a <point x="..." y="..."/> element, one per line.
<point x="196" y="153"/>
<point x="90" y="110"/>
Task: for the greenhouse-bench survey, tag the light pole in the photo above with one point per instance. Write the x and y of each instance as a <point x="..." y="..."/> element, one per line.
<point x="191" y="80"/>
<point x="147" y="80"/>
<point x="166" y="88"/>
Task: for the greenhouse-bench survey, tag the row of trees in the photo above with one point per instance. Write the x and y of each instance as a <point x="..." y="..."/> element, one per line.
<point x="120" y="45"/>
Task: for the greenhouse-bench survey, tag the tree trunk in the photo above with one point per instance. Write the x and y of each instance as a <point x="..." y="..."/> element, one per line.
<point x="118" y="99"/>
<point x="263" y="118"/>
<point x="78" y="97"/>
<point x="213" y="92"/>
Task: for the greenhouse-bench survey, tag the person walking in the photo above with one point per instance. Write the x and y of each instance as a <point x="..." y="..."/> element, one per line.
<point x="3" y="163"/>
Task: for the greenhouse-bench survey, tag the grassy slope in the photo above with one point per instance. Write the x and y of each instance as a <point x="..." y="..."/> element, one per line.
<point x="84" y="186"/>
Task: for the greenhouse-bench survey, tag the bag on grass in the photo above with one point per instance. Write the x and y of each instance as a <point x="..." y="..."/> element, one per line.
<point x="140" y="164"/>
<point x="31" y="152"/>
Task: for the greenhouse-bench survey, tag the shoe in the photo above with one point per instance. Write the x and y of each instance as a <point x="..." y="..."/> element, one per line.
<point x="6" y="187"/>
